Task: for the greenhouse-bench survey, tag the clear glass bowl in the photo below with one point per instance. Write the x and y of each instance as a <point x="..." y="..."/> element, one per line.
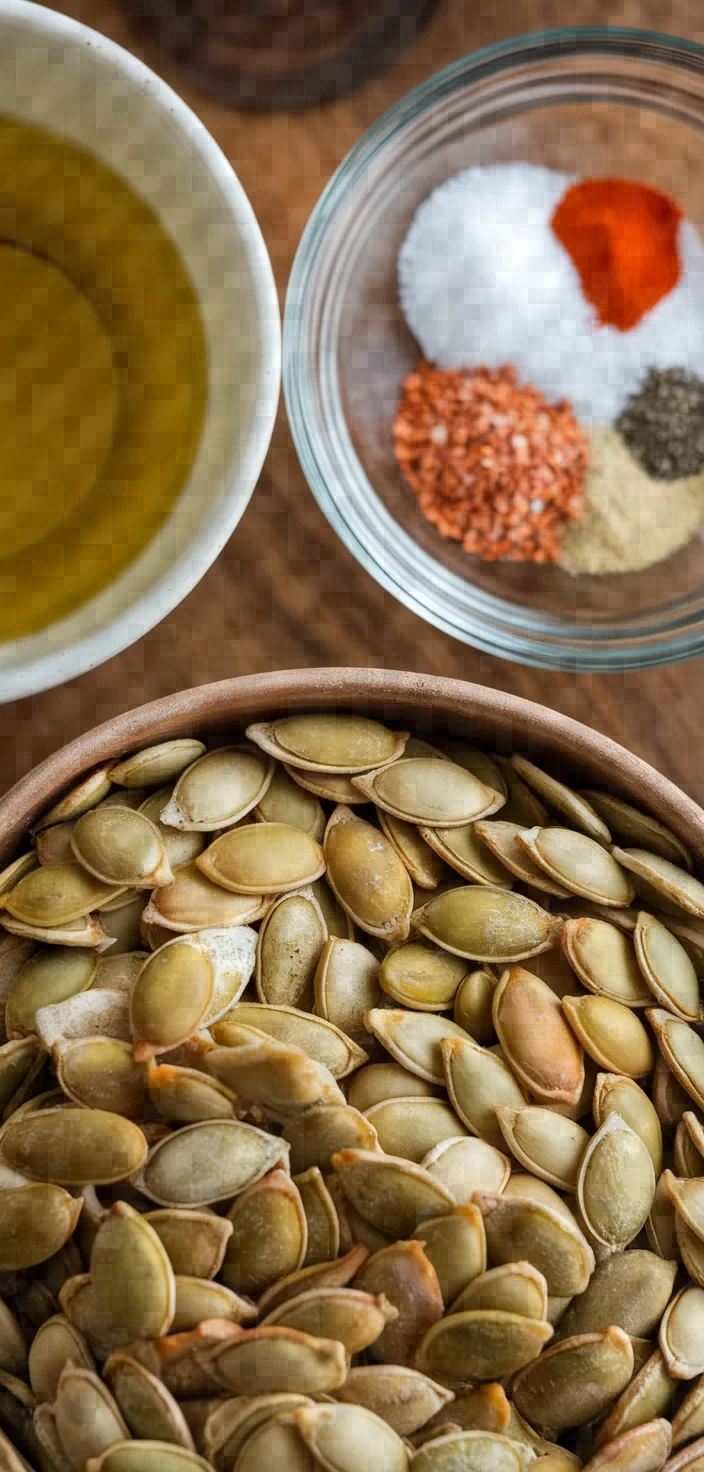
<point x="586" y="101"/>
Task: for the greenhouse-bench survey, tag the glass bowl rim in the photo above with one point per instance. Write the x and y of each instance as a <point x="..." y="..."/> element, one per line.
<point x="493" y="625"/>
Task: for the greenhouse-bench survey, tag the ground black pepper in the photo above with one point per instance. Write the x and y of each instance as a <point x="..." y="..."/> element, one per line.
<point x="663" y="424"/>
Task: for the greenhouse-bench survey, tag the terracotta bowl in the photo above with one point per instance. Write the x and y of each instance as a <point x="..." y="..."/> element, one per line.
<point x="433" y="706"/>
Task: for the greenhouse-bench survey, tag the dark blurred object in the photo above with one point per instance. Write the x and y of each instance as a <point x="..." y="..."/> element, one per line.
<point x="277" y="54"/>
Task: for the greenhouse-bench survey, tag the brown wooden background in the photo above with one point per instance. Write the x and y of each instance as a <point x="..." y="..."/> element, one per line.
<point x="285" y="593"/>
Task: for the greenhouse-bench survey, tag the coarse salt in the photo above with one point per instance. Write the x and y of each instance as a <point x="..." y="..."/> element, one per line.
<point x="484" y="281"/>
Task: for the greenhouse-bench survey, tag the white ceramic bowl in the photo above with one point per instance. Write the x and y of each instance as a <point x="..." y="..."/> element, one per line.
<point x="62" y="76"/>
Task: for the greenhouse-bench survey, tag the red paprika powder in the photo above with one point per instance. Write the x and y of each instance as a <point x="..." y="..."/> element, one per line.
<point x="622" y="237"/>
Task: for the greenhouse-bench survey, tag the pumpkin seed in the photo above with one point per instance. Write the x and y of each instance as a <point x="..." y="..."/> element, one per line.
<point x="638" y="828"/>
<point x="90" y="1014"/>
<point x="614" y="1094"/>
<point x="88" y="931"/>
<point x="667" y="969"/>
<point x="611" y="1034"/>
<point x="279" y="1079"/>
<point x="660" y="1226"/>
<point x="53" y="845"/>
<point x="147" y="1456"/>
<point x="182" y="845"/>
<point x="193" y="902"/>
<point x="91" y="790"/>
<point x="570" y="804"/>
<point x="522" y="806"/>
<point x="286" y="802"/>
<point x="198" y="1300"/>
<point x="616" y="1184"/>
<point x="630" y="1289"/>
<point x="57" y="894"/>
<point x="35" y="1222"/>
<point x="326" y="786"/>
<point x="477" y="1081"/>
<point x="380" y="1081"/>
<point x="337" y="1273"/>
<point x="485" y="1408"/>
<point x="366" y="874"/>
<point x="323" y="1042"/>
<point x="514" y="1288"/>
<point x="688" y="1420"/>
<point x="650" y="1394"/>
<point x="155" y="765"/>
<point x="218" y="789"/>
<point x="691" y="1127"/>
<point x="473" y="1010"/>
<point x="147" y="1407"/>
<point x="341" y="1435"/>
<point x="88" y="1420"/>
<point x="414" y="1039"/>
<point x="321" y="1217"/>
<point x="670" y="1100"/>
<point x="18" y="1060"/>
<point x="455" y="1245"/>
<point x="429" y="791"/>
<point x="208" y="1162"/>
<point x="70" y="1147"/>
<point x="354" y="1318"/>
<point x="290" y="943"/>
<point x="195" y="1241"/>
<point x="392" y="1194"/>
<point x="604" y="959"/>
<point x="315" y="1135"/>
<point x="190" y="981"/>
<point x="689" y="1457"/>
<point x="486" y="1451"/>
<point x="681" y="1334"/>
<point x="187" y="1096"/>
<point x="687" y="1197"/>
<point x="481" y="764"/>
<point x="232" y="1423"/>
<point x="412" y="1127"/>
<point x="402" y="1275"/>
<point x="269" y="1235"/>
<point x="262" y="1361"/>
<point x="484" y="924"/>
<point x="683" y="1051"/>
<point x="346" y="986"/>
<point x="521" y="1229"/>
<point x="13" y="1349"/>
<point x="575" y="1380"/>
<point x="421" y="976"/>
<point x="419" y="857"/>
<point x="501" y="838"/>
<point x="644" y="1448"/>
<point x="131" y="1276"/>
<point x="100" y="1073"/>
<point x="669" y="880"/>
<point x="404" y="1398"/>
<point x="578" y="863"/>
<point x="123" y="927"/>
<point x="120" y="846"/>
<point x="263" y="858"/>
<point x="56" y="1342"/>
<point x="12" y="873"/>
<point x="465" y="1165"/>
<point x="481" y="1344"/>
<point x="539" y="1046"/>
<point x="275" y="1442"/>
<point x="547" y="1144"/>
<point x="341" y="744"/>
<point x="691" y="1250"/>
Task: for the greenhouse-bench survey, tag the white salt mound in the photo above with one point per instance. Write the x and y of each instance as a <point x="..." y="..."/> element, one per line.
<point x="483" y="280"/>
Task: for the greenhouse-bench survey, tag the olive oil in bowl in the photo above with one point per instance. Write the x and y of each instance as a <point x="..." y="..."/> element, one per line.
<point x="103" y="377"/>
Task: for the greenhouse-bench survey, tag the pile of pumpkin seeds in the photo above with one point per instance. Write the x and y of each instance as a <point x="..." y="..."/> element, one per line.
<point x="351" y="1117"/>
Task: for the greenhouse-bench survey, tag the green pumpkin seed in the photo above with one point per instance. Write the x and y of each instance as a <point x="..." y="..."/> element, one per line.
<point x="681" y="1334"/>
<point x="147" y="1456"/>
<point x="90" y="1014"/>
<point x="667" y="969"/>
<point x="501" y="838"/>
<point x="323" y="1042"/>
<point x="367" y="876"/>
<point x="611" y="1034"/>
<point x="91" y="790"/>
<point x="525" y="1230"/>
<point x="193" y="902"/>
<point x="455" y="1245"/>
<point x="88" y="931"/>
<point x="421" y="976"/>
<point x="477" y="1081"/>
<point x="56" y="1342"/>
<point x="616" y="1184"/>
<point x="263" y="1361"/>
<point x="578" y="863"/>
<point x="195" y="1241"/>
<point x="668" y="879"/>
<point x="208" y="1162"/>
<point x="419" y="857"/>
<point x="466" y="1165"/>
<point x="484" y="924"/>
<point x="187" y="1096"/>
<point x="649" y="1395"/>
<point x="341" y="744"/>
<point x="514" y="1288"/>
<point x="402" y="1276"/>
<point x="392" y="1194"/>
<point x="70" y="1147"/>
<point x="575" y="1380"/>
<point x="537" y="1042"/>
<point x="346" y="986"/>
<point x="315" y="1135"/>
<point x="131" y="1275"/>
<point x="404" y="1398"/>
<point x="269" y="1235"/>
<point x="570" y="804"/>
<point x="630" y="1289"/>
<point x="688" y="1420"/>
<point x="683" y="1051"/>
<point x="473" y="1009"/>
<point x="614" y="1094"/>
<point x="147" y="1407"/>
<point x="326" y="786"/>
<point x="380" y="1081"/>
<point x="290" y="943"/>
<point x="100" y="1073"/>
<point x="53" y="845"/>
<point x="414" y="1039"/>
<point x="354" y="1318"/>
<point x="281" y="1080"/>
<point x="343" y="1436"/>
<point x="58" y="894"/>
<point x="605" y="961"/>
<point x="481" y="1344"/>
<point x="122" y="847"/>
<point x="549" y="1145"/>
<point x="640" y="829"/>
<point x="321" y="1218"/>
<point x="88" y="1420"/>
<point x="428" y="791"/>
<point x="485" y="1451"/>
<point x="218" y="789"/>
<point x="263" y="858"/>
<point x="232" y="1424"/>
<point x="412" y="1127"/>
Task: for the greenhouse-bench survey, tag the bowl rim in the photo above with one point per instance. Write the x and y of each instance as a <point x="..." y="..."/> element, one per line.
<point x="382" y="691"/>
<point x="487" y="621"/>
<point x="181" y="577"/>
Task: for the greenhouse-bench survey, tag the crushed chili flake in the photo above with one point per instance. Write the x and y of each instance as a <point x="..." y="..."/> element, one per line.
<point x="493" y="464"/>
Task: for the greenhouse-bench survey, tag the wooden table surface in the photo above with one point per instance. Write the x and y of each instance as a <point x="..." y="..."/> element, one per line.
<point x="285" y="593"/>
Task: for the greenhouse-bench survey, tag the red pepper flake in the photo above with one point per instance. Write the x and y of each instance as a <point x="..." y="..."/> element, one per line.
<point x="493" y="464"/>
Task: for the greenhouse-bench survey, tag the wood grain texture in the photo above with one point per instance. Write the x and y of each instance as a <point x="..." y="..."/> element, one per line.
<point x="285" y="593"/>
